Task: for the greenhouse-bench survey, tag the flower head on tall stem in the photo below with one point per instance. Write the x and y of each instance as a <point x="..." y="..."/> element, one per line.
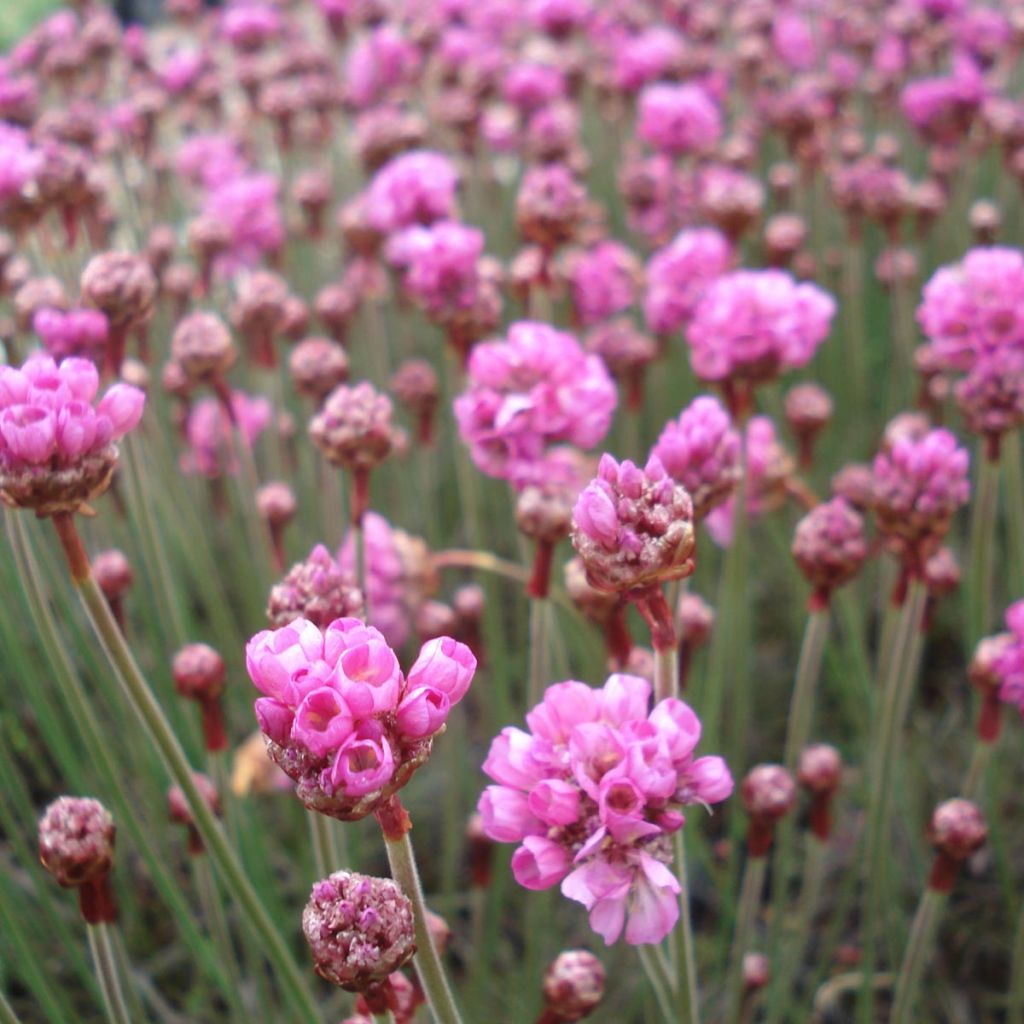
<point x="179" y="812"/>
<point x="199" y="674"/>
<point x="820" y="772"/>
<point x="317" y="589"/>
<point x="573" y="986"/>
<point x="829" y="547"/>
<point x="593" y="791"/>
<point x="957" y="830"/>
<point x="768" y="792"/>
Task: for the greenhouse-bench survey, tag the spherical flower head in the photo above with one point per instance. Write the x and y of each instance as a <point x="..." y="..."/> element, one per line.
<point x="768" y="792"/>
<point x="958" y="829"/>
<point x="57" y="449"/>
<point x="574" y="984"/>
<point x="625" y="350"/>
<point x="991" y="396"/>
<point x="202" y="346"/>
<point x="593" y="791"/>
<point x="210" y="435"/>
<point x="353" y="428"/>
<point x="76" y="840"/>
<point x="113" y="572"/>
<point x="941" y="573"/>
<point x="943" y="108"/>
<point x="247" y="26"/>
<point x="991" y="658"/>
<point x="550" y="206"/>
<point x="730" y="199"/>
<point x="317" y="366"/>
<point x="820" y="769"/>
<point x="247" y="214"/>
<point x="317" y="589"/>
<point x="829" y="545"/>
<point x="974" y="308"/>
<point x="532" y="85"/>
<point x="632" y="527"/>
<point x="121" y="285"/>
<point x="678" y="119"/>
<point x="809" y="408"/>
<point x="178" y="809"/>
<point x="359" y="929"/>
<point x="534" y="389"/>
<point x="917" y="486"/>
<point x="413" y="188"/>
<point x="199" y="672"/>
<point x="596" y="605"/>
<point x="603" y="281"/>
<point x="696" y="619"/>
<point x="75" y="332"/>
<point x="678" y="275"/>
<point x="276" y="504"/>
<point x="701" y="451"/>
<point x="415" y="384"/>
<point x="381" y="62"/>
<point x="753" y="324"/>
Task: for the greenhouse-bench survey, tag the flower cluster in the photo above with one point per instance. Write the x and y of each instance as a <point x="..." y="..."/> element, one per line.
<point x="1008" y="663"/>
<point x="57" y="449"/>
<point x="753" y="324"/>
<point x="339" y="716"/>
<point x="593" y="791"/>
<point x="208" y="430"/>
<point x="535" y="389"/>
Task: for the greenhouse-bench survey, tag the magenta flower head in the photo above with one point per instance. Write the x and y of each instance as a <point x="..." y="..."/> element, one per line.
<point x="534" y="389"/>
<point x="76" y="845"/>
<point x="208" y="431"/>
<point x="122" y="286"/>
<point x="550" y="206"/>
<point x="573" y="985"/>
<point x="679" y="274"/>
<point x="339" y="716"/>
<point x="1003" y="662"/>
<point x="591" y="794"/>
<point x="317" y="589"/>
<point x="957" y="830"/>
<point x="633" y="527"/>
<point x="57" y="449"/>
<point x="753" y="324"/>
<point x="202" y="346"/>
<point x="701" y="451"/>
<point x="382" y="62"/>
<point x="359" y="929"/>
<point x="603" y="281"/>
<point x="678" y="119"/>
<point x="917" y="487"/>
<point x="75" y="332"/>
<point x="768" y="793"/>
<point x="829" y="547"/>
<point x="413" y="188"/>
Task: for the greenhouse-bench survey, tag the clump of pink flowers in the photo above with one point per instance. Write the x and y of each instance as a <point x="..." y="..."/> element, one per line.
<point x="341" y="718"/>
<point x="413" y="188"/>
<point x="592" y="794"/>
<point x="211" y="439"/>
<point x="535" y="389"/>
<point x="677" y="119"/>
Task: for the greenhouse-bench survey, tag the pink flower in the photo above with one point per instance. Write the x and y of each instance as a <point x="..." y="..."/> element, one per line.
<point x="530" y="85"/>
<point x="76" y="332"/>
<point x="591" y="794"/>
<point x="380" y="63"/>
<point x="363" y="765"/>
<point x="942" y="109"/>
<point x="322" y="721"/>
<point x="753" y="324"/>
<point x="679" y="274"/>
<point x="247" y="206"/>
<point x="446" y="665"/>
<point x="368" y="674"/>
<point x="678" y="119"/>
<point x="248" y="24"/>
<point x="604" y="281"/>
<point x="535" y="389"/>
<point x="646" y="57"/>
<point x="414" y="188"/>
<point x="701" y="451"/>
<point x="211" y="437"/>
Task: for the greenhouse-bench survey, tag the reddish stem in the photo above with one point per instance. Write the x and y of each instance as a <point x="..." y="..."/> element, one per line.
<point x="654" y="608"/>
<point x="213" y="725"/>
<point x="540" y="580"/>
<point x="760" y="834"/>
<point x="96" y="900"/>
<point x="821" y="816"/>
<point x="990" y="718"/>
<point x="360" y="497"/>
<point x="617" y="637"/>
<point x="943" y="873"/>
<point x="71" y="542"/>
<point x="393" y="818"/>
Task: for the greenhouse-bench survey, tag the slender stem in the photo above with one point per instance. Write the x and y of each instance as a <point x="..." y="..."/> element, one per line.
<point x="666" y="673"/>
<point x="428" y="963"/>
<point x="801" y="705"/>
<point x="980" y="760"/>
<point x="1015" y="1007"/>
<point x="359" y="541"/>
<point x="896" y="688"/>
<point x="458" y="558"/>
<point x="141" y="699"/>
<point x="688" y="998"/>
<point x="658" y="978"/>
<point x="387" y="1017"/>
<point x="919" y="947"/>
<point x="539" y="671"/>
<point x="7" y="1014"/>
<point x="1014" y="508"/>
<point x="983" y="528"/>
<point x="325" y="852"/>
<point x="107" y="974"/>
<point x="746" y="917"/>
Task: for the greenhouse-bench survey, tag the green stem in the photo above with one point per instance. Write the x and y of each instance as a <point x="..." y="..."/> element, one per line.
<point x="141" y="699"/>
<point x="213" y="911"/>
<point x="658" y="977"/>
<point x="801" y="705"/>
<point x="666" y="673"/>
<point x="896" y="688"/>
<point x="359" y="542"/>
<point x="7" y="1014"/>
<point x="387" y="1017"/>
<point x="1014" y="508"/>
<point x="980" y="760"/>
<point x="983" y="528"/>
<point x="539" y="620"/>
<point x="326" y="857"/>
<point x="428" y="963"/>
<point x="746" y="917"/>
<point x="688" y="994"/>
<point x="107" y="974"/>
<point x="919" y="947"/>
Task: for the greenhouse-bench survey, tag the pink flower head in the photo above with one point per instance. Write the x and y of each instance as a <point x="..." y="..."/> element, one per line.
<point x="248" y="24"/>
<point x="248" y="208"/>
<point x="942" y="109"/>
<point x="591" y="794"/>
<point x="678" y="119"/>
<point x="633" y="527"/>
<point x="379" y="64"/>
<point x="679" y="274"/>
<point x="975" y="307"/>
<point x="20" y="162"/>
<point x="208" y="161"/>
<point x="211" y="438"/>
<point x="76" y="332"/>
<point x="646" y="57"/>
<point x="57" y="446"/>
<point x="918" y="484"/>
<point x="413" y="188"/>
<point x="991" y="396"/>
<point x="534" y="389"/>
<point x="794" y="41"/>
<point x="530" y="85"/>
<point x="439" y="265"/>
<point x="752" y="324"/>
<point x="701" y="451"/>
<point x="339" y="716"/>
<point x="603" y="280"/>
<point x="1008" y="663"/>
